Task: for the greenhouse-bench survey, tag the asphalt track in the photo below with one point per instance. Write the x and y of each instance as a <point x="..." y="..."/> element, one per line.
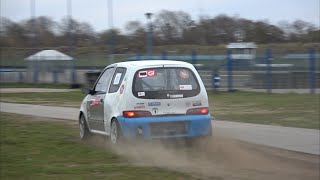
<point x="293" y="139"/>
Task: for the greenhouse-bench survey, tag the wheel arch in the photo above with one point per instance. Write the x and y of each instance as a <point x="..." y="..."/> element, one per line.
<point x="80" y="114"/>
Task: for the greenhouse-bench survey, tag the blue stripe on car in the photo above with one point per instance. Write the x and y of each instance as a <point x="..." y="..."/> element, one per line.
<point x="197" y="125"/>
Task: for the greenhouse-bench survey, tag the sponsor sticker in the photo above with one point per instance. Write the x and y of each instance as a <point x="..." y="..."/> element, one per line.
<point x="185" y="87"/>
<point x="139" y="107"/>
<point x="154" y="103"/>
<point x="175" y="95"/>
<point x="151" y="73"/>
<point x="141" y="94"/>
<point x="147" y="73"/>
<point x="196" y="103"/>
<point x="94" y="102"/>
<point x="184" y="74"/>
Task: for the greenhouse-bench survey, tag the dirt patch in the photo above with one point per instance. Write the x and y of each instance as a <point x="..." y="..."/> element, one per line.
<point x="219" y="158"/>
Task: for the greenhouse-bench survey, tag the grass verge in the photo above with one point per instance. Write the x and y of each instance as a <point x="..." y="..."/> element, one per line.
<point x="294" y="110"/>
<point x="32" y="85"/>
<point x="51" y="150"/>
<point x="67" y="99"/>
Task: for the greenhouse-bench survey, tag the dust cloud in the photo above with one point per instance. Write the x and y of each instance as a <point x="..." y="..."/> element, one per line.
<point x="218" y="158"/>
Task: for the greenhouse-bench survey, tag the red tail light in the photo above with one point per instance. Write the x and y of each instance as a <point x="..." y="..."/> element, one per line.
<point x="132" y="114"/>
<point x="204" y="110"/>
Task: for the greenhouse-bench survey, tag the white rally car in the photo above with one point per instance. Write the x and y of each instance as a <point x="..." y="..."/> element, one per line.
<point x="146" y="99"/>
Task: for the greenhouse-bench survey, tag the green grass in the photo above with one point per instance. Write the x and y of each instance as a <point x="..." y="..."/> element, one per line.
<point x="69" y="99"/>
<point x="51" y="150"/>
<point x="294" y="110"/>
<point x="32" y="85"/>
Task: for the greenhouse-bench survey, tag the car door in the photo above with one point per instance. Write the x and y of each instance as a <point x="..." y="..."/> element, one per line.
<point x="96" y="101"/>
<point x="112" y="97"/>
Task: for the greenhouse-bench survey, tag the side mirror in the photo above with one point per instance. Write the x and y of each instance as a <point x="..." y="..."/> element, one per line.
<point x="87" y="91"/>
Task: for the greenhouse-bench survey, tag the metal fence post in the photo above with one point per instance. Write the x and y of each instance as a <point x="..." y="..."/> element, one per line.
<point x="20" y="76"/>
<point x="194" y="57"/>
<point x="269" y="73"/>
<point x="164" y="55"/>
<point x="215" y="80"/>
<point x="35" y="72"/>
<point x="312" y="79"/>
<point x="73" y="72"/>
<point x="55" y="76"/>
<point x="229" y="69"/>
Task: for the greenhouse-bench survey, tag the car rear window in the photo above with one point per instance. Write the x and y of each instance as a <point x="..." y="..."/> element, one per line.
<point x="165" y="83"/>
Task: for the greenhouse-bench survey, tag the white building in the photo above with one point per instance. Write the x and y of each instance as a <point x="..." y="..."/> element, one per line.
<point x="243" y="50"/>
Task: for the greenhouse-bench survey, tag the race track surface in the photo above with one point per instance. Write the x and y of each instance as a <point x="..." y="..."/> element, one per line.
<point x="294" y="139"/>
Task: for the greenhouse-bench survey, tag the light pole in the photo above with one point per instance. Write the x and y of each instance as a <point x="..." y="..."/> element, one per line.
<point x="149" y="35"/>
<point x="71" y="44"/>
<point x="111" y="38"/>
<point x="34" y="39"/>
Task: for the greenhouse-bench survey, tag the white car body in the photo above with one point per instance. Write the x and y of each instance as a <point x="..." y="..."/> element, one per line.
<point x="99" y="109"/>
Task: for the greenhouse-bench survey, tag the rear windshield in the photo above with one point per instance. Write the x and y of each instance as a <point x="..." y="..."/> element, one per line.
<point x="165" y="83"/>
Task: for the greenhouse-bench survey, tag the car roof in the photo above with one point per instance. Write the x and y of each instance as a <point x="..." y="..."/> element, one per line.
<point x="145" y="63"/>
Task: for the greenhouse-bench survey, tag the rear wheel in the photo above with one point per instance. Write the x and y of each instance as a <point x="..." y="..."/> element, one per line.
<point x="84" y="130"/>
<point x="115" y="133"/>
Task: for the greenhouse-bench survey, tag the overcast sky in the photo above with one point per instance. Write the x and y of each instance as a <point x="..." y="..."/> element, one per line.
<point x="95" y="12"/>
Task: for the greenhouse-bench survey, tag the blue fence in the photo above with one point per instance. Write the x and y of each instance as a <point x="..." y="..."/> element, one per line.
<point x="289" y="71"/>
<point x="268" y="71"/>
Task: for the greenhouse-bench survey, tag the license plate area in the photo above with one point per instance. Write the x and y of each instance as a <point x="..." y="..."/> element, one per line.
<point x="168" y="128"/>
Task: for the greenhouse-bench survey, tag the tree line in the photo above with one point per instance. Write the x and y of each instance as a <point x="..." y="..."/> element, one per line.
<point x="168" y="27"/>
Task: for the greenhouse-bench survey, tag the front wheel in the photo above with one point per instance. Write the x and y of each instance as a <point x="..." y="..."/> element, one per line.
<point x="115" y="133"/>
<point x="84" y="130"/>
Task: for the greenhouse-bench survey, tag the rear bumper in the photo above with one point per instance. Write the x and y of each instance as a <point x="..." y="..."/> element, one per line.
<point x="164" y="126"/>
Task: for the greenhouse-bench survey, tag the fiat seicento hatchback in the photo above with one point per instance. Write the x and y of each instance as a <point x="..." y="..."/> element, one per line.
<point x="148" y="100"/>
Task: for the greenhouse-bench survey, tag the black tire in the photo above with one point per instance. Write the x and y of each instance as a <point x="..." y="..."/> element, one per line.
<point x="84" y="130"/>
<point x="115" y="132"/>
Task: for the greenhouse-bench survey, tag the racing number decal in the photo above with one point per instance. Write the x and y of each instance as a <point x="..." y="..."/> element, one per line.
<point x="147" y="73"/>
<point x="95" y="102"/>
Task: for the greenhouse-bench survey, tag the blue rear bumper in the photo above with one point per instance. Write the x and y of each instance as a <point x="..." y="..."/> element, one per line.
<point x="195" y="125"/>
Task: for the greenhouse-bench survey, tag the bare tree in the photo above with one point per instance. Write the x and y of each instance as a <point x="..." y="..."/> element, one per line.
<point x="170" y="25"/>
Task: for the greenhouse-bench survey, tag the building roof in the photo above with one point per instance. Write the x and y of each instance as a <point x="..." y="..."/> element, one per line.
<point x="49" y="55"/>
<point x="242" y="45"/>
<point x="151" y="63"/>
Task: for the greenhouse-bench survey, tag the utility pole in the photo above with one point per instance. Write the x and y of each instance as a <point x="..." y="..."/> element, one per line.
<point x="34" y="39"/>
<point x="111" y="38"/>
<point x="71" y="42"/>
<point x="149" y="34"/>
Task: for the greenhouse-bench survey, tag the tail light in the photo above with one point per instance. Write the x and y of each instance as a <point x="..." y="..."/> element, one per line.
<point x="132" y="114"/>
<point x="203" y="110"/>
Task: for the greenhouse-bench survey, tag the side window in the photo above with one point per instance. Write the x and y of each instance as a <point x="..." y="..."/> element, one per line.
<point x="117" y="79"/>
<point x="104" y="80"/>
